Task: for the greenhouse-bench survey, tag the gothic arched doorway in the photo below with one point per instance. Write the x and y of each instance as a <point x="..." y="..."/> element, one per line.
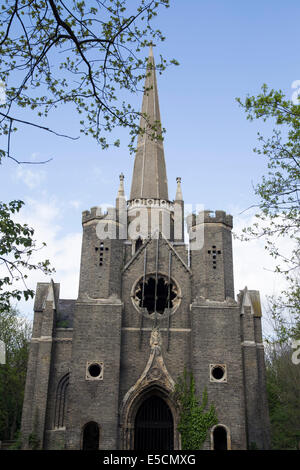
<point x="154" y="427"/>
<point x="90" y="439"/>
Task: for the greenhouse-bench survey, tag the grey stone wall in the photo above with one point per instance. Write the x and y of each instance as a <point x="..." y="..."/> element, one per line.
<point x="216" y="340"/>
<point x="212" y="264"/>
<point x="38" y="372"/>
<point x="60" y="366"/>
<point x="97" y="333"/>
<point x="136" y="328"/>
<point x="258" y="432"/>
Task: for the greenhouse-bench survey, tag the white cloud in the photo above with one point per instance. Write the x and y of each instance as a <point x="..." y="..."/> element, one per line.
<point x="75" y="204"/>
<point x="32" y="178"/>
<point x="253" y="265"/>
<point x="63" y="250"/>
<point x="252" y="261"/>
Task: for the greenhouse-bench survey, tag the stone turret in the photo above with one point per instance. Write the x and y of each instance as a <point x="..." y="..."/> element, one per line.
<point x="211" y="261"/>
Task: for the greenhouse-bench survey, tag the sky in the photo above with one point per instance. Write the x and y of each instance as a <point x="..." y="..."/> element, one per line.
<point x="226" y="49"/>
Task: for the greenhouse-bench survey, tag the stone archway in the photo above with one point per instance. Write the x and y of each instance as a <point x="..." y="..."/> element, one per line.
<point x="154" y="381"/>
<point x="129" y="416"/>
<point x="153" y="426"/>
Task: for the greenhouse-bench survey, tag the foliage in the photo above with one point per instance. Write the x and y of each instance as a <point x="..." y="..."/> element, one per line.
<point x="194" y="421"/>
<point x="82" y="53"/>
<point x="285" y="311"/>
<point x="15" y="331"/>
<point x="33" y="440"/>
<point x="16" y="248"/>
<point x="283" y="385"/>
<point x="279" y="217"/>
<point x="278" y="192"/>
<point x="62" y="324"/>
<point x="17" y="445"/>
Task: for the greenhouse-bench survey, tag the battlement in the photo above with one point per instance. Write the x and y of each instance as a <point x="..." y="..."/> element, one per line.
<point x="219" y="217"/>
<point x="97" y="213"/>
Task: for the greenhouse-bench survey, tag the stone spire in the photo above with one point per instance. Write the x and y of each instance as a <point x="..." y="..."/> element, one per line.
<point x="149" y="178"/>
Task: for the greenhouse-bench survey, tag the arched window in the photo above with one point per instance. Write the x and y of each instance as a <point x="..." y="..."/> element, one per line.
<point x="90" y="439"/>
<point x="138" y="243"/>
<point x="219" y="438"/>
<point x="61" y="401"/>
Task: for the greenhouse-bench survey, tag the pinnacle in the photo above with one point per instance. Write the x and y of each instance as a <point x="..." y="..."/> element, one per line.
<point x="121" y="191"/>
<point x="179" y="196"/>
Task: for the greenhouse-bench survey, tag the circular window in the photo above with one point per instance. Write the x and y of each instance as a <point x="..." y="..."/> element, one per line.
<point x="95" y="370"/>
<point x="218" y="373"/>
<point x="156" y="295"/>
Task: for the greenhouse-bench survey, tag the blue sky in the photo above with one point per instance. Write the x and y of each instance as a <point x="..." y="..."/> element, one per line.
<point x="226" y="49"/>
